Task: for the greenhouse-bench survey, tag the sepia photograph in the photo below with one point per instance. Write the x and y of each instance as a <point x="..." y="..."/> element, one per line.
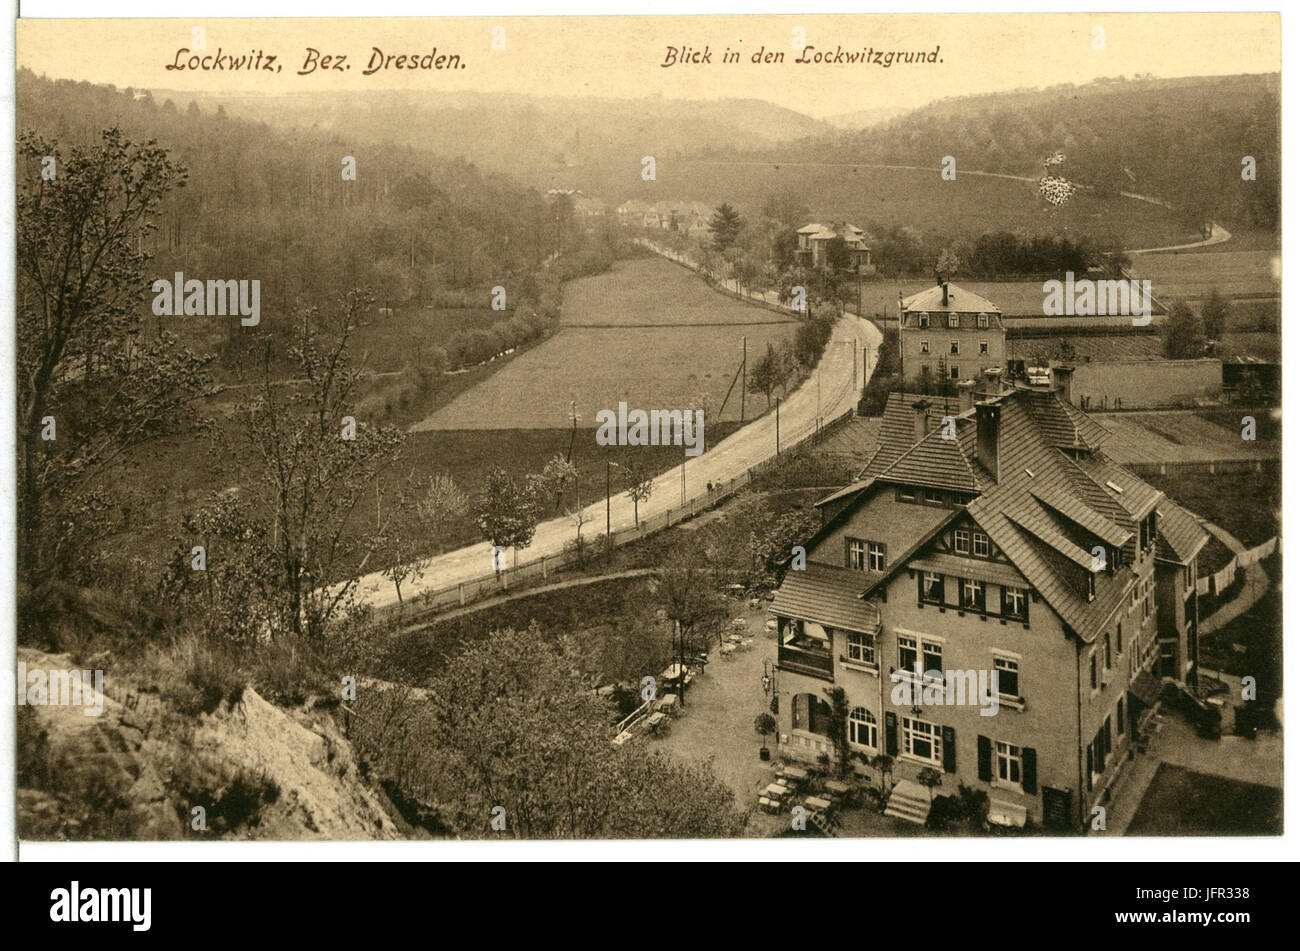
<point x="586" y="429"/>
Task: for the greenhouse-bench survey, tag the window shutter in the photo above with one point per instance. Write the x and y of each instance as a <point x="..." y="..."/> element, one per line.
<point x="949" y="750"/>
<point x="1029" y="770"/>
<point x="891" y="733"/>
<point x="984" y="756"/>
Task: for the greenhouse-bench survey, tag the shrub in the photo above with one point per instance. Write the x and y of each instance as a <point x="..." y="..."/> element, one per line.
<point x="196" y="675"/>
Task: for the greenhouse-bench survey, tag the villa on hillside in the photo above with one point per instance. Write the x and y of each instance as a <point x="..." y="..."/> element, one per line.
<point x="989" y="533"/>
<point x="948" y="332"/>
<point x="815" y="241"/>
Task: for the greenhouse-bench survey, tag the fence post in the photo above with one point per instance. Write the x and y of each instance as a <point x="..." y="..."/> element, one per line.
<point x="461" y="586"/>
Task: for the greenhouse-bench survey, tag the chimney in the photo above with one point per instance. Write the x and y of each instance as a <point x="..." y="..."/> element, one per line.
<point x="1062" y="378"/>
<point x="945" y="293"/>
<point x="920" y="419"/>
<point x="986" y="436"/>
<point x="992" y="382"/>
<point x="965" y="395"/>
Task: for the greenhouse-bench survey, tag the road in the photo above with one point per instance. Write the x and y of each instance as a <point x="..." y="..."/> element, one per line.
<point x="828" y="392"/>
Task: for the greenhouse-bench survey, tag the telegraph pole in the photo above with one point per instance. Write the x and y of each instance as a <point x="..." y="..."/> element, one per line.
<point x="778" y="425"/>
<point x="744" y="368"/>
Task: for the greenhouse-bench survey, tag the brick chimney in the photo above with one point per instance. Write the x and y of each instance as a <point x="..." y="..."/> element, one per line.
<point x="920" y="419"/>
<point x="986" y="436"/>
<point x="965" y="395"/>
<point x="1062" y="380"/>
<point x="945" y="293"/>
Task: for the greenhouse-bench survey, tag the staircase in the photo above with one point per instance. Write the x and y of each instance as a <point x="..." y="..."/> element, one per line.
<point x="909" y="801"/>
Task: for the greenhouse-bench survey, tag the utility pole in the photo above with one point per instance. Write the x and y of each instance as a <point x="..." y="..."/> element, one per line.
<point x="778" y="425"/>
<point x="609" y="540"/>
<point x="744" y="371"/>
<point x="683" y="479"/>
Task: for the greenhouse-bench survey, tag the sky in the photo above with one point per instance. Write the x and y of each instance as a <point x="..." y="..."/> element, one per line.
<point x="622" y="57"/>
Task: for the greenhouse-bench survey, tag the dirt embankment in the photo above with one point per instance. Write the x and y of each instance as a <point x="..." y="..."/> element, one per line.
<point x="138" y="770"/>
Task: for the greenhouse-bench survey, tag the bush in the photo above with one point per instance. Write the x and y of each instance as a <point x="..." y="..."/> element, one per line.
<point x="196" y="675"/>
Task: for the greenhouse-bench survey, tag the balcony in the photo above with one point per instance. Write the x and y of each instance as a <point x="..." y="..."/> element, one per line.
<point x="813" y="661"/>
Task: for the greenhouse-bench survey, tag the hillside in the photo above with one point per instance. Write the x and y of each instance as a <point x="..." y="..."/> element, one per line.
<point x="532" y="138"/>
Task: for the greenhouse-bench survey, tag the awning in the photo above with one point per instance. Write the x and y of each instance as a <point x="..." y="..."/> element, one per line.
<point x="1007" y="814"/>
<point x="1144" y="688"/>
<point x="828" y="596"/>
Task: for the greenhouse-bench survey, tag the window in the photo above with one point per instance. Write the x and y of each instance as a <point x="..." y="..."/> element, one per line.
<point x="980" y="544"/>
<point x="932" y="655"/>
<point x="1008" y="677"/>
<point x="932" y="587"/>
<point x="861" y="647"/>
<point x="1009" y="764"/>
<point x="933" y="495"/>
<point x="954" y="347"/>
<point x="862" y="728"/>
<point x="907" y="653"/>
<point x="961" y="541"/>
<point x="984" y="347"/>
<point x="1092" y="670"/>
<point x="972" y="594"/>
<point x="906" y="493"/>
<point x="1109" y="660"/>
<point x="1119" y="716"/>
<point x="956" y="373"/>
<point x="922" y="740"/>
<point x="876" y="556"/>
<point x="953" y="321"/>
<point x="923" y="320"/>
<point x="925" y="346"/>
<point x="1014" y="602"/>
<point x="1119" y="638"/>
<point x="982" y="321"/>
<point x="857" y="554"/>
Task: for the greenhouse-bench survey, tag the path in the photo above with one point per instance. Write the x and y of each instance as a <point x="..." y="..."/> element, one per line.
<point x="830" y="391"/>
<point x="1254" y="588"/>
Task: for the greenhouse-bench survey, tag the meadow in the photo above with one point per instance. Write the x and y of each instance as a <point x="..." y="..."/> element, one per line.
<point x="648" y="333"/>
<point x="1192" y="276"/>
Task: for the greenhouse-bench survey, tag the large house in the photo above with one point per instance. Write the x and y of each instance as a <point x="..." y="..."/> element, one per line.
<point x="948" y="332"/>
<point x="815" y="241"/>
<point x="989" y="533"/>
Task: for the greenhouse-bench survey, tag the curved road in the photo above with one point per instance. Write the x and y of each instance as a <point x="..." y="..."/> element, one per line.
<point x="754" y="443"/>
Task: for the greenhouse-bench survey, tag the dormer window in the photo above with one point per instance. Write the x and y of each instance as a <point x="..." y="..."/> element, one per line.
<point x="982" y="321"/>
<point x="923" y="321"/>
<point x="953" y="321"/>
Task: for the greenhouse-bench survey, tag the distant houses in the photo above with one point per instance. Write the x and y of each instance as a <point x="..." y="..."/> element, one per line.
<point x="815" y="242"/>
<point x="689" y="217"/>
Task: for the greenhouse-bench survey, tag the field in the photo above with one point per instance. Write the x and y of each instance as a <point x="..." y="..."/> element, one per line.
<point x="648" y="333"/>
<point x="871" y="197"/>
<point x="1192" y="276"/>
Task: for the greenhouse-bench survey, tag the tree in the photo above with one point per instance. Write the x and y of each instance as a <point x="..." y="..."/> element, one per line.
<point x="317" y="463"/>
<point x="1216" y="313"/>
<point x="1183" y="337"/>
<point x="769" y="372"/>
<point x="515" y="732"/>
<point x="949" y="262"/>
<point x="884" y="764"/>
<point x="696" y="609"/>
<point x="640" y="484"/>
<point x="838" y="724"/>
<point x="765" y="725"/>
<point x="505" y="512"/>
<point x="725" y="226"/>
<point x="89" y="388"/>
<point x="442" y="503"/>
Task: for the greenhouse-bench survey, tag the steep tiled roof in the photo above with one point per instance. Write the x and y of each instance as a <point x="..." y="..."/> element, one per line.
<point x="827" y="595"/>
<point x="1179" y="535"/>
<point x="1060" y="424"/>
